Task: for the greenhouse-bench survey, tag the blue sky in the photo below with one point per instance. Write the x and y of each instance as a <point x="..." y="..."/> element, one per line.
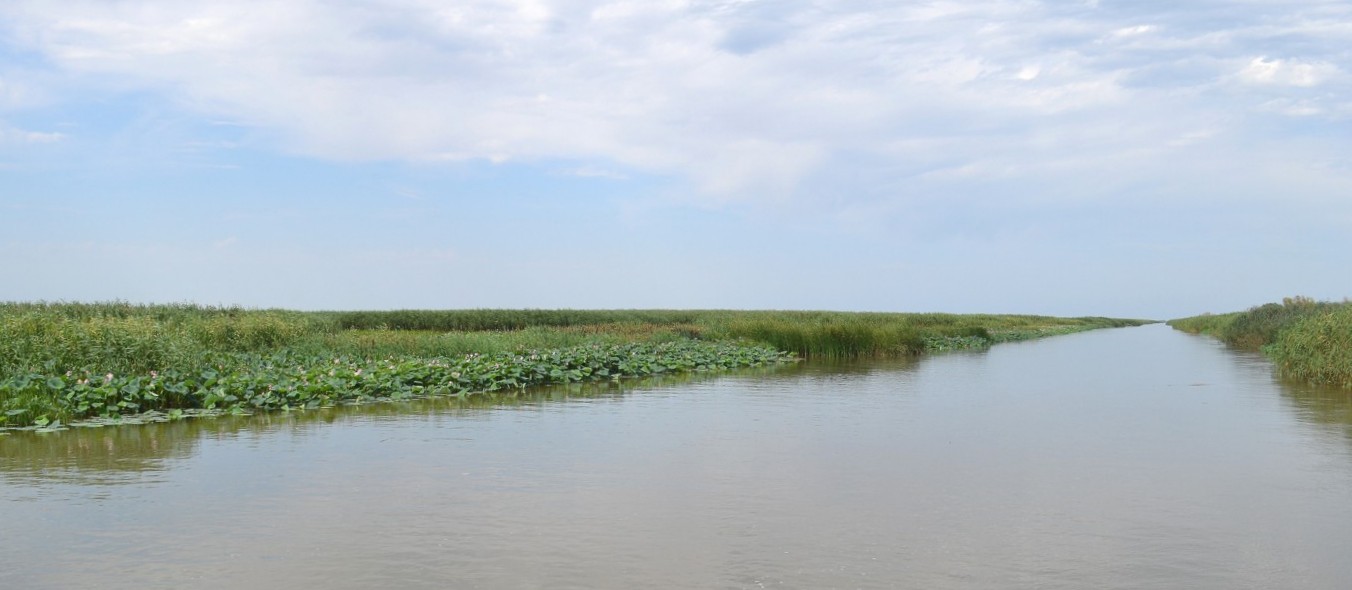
<point x="1145" y="159"/>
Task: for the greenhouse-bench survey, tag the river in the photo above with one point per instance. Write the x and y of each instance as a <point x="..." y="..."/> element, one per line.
<point x="1126" y="458"/>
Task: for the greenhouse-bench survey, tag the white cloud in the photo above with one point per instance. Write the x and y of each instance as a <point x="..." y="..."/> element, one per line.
<point x="11" y="135"/>
<point x="1262" y="70"/>
<point x="1134" y="31"/>
<point x="1294" y="108"/>
<point x="744" y="100"/>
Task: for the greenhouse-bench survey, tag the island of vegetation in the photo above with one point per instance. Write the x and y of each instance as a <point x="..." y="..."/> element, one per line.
<point x="98" y="363"/>
<point x="1308" y="341"/>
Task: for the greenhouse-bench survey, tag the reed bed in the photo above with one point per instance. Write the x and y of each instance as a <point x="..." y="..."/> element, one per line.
<point x="1317" y="348"/>
<point x="806" y="333"/>
<point x="69" y="361"/>
<point x="1307" y="340"/>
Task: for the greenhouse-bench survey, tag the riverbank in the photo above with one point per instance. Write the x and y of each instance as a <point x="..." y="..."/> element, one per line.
<point x="1307" y="340"/>
<point x="70" y="361"/>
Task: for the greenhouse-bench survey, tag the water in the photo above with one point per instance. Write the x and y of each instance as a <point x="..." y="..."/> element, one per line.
<point x="1130" y="458"/>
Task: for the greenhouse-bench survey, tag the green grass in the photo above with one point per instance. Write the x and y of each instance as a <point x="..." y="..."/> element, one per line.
<point x="70" y="361"/>
<point x="1307" y="340"/>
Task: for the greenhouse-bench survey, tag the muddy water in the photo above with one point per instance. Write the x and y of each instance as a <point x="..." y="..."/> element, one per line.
<point x="1130" y="458"/>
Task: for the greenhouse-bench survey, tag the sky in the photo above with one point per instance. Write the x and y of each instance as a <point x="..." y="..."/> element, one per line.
<point x="1121" y="158"/>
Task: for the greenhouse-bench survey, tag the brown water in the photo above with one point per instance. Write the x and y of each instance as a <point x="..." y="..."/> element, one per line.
<point x="1130" y="458"/>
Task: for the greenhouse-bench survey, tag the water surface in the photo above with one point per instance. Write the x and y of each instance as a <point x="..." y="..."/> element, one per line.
<point x="1128" y="458"/>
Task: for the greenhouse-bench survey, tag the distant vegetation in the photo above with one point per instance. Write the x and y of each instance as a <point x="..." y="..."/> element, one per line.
<point x="1308" y="340"/>
<point x="68" y="361"/>
<point x="805" y="333"/>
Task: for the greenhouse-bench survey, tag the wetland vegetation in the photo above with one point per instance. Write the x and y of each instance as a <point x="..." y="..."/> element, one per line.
<point x="61" y="362"/>
<point x="1307" y="340"/>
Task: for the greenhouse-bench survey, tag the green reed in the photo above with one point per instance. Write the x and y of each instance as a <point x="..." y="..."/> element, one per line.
<point x="1308" y="340"/>
<point x="1317" y="348"/>
<point x="63" y="361"/>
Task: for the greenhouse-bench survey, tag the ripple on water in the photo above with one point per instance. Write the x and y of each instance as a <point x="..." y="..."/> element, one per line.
<point x="1135" y="458"/>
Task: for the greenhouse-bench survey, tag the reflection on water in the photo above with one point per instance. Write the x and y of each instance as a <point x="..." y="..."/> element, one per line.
<point x="98" y="456"/>
<point x="1321" y="405"/>
<point x="1329" y="408"/>
<point x="115" y="454"/>
<point x="1134" y="458"/>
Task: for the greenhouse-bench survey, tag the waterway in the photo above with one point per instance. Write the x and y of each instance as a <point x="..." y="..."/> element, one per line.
<point x="1126" y="458"/>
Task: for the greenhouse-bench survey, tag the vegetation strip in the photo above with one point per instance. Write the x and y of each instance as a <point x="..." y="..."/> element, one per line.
<point x="68" y="361"/>
<point x="1307" y="340"/>
<point x="287" y="381"/>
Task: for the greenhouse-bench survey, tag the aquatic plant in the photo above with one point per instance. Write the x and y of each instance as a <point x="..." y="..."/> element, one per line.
<point x="1207" y="323"/>
<point x="288" y="380"/>
<point x="1317" y="348"/>
<point x="1307" y="340"/>
<point x="63" y="361"/>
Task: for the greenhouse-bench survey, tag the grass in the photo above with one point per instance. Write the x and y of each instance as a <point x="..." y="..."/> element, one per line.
<point x="1307" y="340"/>
<point x="70" y="361"/>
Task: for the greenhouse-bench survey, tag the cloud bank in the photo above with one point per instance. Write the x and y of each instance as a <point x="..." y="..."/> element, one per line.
<point x="745" y="100"/>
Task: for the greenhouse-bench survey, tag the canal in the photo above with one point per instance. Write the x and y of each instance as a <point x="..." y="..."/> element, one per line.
<point x="1126" y="458"/>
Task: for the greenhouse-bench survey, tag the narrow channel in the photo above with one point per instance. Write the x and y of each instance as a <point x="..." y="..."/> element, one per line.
<point x="1126" y="458"/>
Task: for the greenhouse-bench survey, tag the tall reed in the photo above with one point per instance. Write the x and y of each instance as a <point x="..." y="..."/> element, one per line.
<point x="1308" y="340"/>
<point x="1317" y="348"/>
